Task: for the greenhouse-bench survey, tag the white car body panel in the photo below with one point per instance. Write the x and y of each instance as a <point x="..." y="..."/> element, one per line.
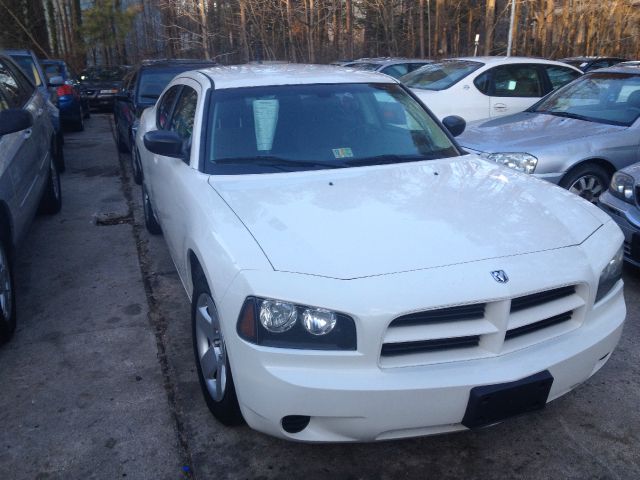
<point x="397" y="210"/>
<point x="465" y="100"/>
<point x="372" y="223"/>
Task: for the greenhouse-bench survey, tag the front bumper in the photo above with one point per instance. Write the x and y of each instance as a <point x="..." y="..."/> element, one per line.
<point x="627" y="216"/>
<point x="352" y="396"/>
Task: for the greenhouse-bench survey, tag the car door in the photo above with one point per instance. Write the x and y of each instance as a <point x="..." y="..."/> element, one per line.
<point x="514" y="88"/>
<point x="24" y="150"/>
<point x="172" y="176"/>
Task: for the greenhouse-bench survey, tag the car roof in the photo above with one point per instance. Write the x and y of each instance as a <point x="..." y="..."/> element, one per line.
<point x="633" y="69"/>
<point x="176" y="62"/>
<point x="494" y="60"/>
<point x="390" y="60"/>
<point x="289" y="74"/>
<point x="589" y="59"/>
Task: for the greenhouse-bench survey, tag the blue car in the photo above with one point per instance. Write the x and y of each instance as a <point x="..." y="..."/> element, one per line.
<point x="70" y="104"/>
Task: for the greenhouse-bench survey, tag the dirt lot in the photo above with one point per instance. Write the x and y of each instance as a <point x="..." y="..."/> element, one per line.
<point x="99" y="381"/>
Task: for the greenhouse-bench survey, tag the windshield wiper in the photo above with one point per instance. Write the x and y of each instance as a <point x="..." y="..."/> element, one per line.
<point x="386" y="159"/>
<point x="274" y="161"/>
<point x="565" y="114"/>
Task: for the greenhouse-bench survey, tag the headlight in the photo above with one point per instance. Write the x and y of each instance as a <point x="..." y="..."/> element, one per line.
<point x="622" y="187"/>
<point x="610" y="274"/>
<point x="275" y="323"/>
<point x="523" y="162"/>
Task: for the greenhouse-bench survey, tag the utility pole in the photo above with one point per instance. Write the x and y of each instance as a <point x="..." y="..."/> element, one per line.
<point x="511" y="22"/>
<point x="429" y="26"/>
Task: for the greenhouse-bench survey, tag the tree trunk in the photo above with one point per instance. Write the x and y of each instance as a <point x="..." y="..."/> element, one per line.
<point x="489" y="20"/>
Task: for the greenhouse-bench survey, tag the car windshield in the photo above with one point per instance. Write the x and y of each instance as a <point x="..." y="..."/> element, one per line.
<point x="28" y="66"/>
<point x="440" y="76"/>
<point x="103" y="74"/>
<point x="306" y="127"/>
<point x="365" y="66"/>
<point x="153" y="81"/>
<point x="611" y="98"/>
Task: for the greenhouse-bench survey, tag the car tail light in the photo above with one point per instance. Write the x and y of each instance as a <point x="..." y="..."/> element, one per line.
<point x="64" y="90"/>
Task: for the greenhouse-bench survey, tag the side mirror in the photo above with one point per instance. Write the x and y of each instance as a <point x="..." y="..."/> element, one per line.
<point x="14" y="120"/>
<point x="162" y="142"/>
<point x="454" y="124"/>
<point x="56" y="81"/>
<point x="123" y="95"/>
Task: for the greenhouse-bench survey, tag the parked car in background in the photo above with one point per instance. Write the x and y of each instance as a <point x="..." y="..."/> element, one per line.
<point x="486" y="87"/>
<point x="354" y="275"/>
<point x="586" y="64"/>
<point x="630" y="63"/>
<point x="99" y="85"/>
<point x="73" y="110"/>
<point x="28" y="174"/>
<point x="30" y="65"/>
<point x="141" y="88"/>
<point x="396" y="67"/>
<point x="622" y="202"/>
<point x="576" y="137"/>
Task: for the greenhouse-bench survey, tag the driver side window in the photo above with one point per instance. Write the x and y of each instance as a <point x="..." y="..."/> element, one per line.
<point x="165" y="105"/>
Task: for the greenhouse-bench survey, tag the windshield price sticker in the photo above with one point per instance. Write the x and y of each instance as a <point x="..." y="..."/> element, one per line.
<point x="265" y="117"/>
<point x="342" y="153"/>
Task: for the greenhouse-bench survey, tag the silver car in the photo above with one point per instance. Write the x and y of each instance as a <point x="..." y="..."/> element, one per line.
<point x="29" y="177"/>
<point x="576" y="137"/>
<point x="622" y="202"/>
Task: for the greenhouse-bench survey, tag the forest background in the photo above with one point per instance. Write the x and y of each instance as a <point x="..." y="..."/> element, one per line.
<point x="111" y="32"/>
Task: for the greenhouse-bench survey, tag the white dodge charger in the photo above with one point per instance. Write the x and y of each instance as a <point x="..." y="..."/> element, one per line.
<point x="354" y="275"/>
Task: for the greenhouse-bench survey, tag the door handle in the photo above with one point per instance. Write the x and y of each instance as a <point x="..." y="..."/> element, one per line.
<point x="500" y="107"/>
<point x="27" y="133"/>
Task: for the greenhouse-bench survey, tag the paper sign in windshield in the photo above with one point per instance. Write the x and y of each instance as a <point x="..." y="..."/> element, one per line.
<point x="342" y="153"/>
<point x="265" y="118"/>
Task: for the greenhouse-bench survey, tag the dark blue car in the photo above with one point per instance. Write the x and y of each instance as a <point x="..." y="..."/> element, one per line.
<point x="70" y="104"/>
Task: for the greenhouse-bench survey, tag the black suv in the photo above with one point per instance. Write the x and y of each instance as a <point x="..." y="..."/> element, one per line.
<point x="141" y="88"/>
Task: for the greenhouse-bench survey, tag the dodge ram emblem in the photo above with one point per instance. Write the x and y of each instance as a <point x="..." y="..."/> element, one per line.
<point x="500" y="276"/>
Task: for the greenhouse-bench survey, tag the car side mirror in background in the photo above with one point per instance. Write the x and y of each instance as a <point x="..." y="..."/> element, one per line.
<point x="123" y="95"/>
<point x="15" y="119"/>
<point x="162" y="142"/>
<point x="454" y="124"/>
<point x="56" y="81"/>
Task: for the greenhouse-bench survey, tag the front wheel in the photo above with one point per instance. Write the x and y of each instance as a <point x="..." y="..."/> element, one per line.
<point x="7" y="295"/>
<point x="212" y="361"/>
<point x="588" y="181"/>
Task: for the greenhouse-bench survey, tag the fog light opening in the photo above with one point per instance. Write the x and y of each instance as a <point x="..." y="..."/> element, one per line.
<point x="295" y="423"/>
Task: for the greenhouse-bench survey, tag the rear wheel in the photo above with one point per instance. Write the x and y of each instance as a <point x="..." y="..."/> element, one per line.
<point x="136" y="167"/>
<point x="122" y="146"/>
<point x="212" y="361"/>
<point x="78" y="124"/>
<point x="51" y="201"/>
<point x="7" y="295"/>
<point x="150" y="220"/>
<point x="588" y="181"/>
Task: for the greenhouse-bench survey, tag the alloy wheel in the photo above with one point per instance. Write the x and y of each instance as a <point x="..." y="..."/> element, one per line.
<point x="212" y="353"/>
<point x="588" y="187"/>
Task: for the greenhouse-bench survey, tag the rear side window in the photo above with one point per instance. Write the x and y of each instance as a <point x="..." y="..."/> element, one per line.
<point x="396" y="71"/>
<point x="185" y="113"/>
<point x="559" y="76"/>
<point x="516" y="81"/>
<point x="164" y="107"/>
<point x="28" y="66"/>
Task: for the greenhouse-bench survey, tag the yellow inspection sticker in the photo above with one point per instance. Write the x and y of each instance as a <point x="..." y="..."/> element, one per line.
<point x="342" y="153"/>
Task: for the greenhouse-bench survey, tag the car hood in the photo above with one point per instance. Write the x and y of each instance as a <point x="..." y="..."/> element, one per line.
<point x="528" y="132"/>
<point x="359" y="222"/>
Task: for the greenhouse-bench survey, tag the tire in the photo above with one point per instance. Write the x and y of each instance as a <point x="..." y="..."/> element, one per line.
<point x="58" y="152"/>
<point x="78" y="124"/>
<point x="7" y="294"/>
<point x="210" y="353"/>
<point x="122" y="146"/>
<point x="150" y="220"/>
<point x="587" y="180"/>
<point x="51" y="200"/>
<point x="136" y="167"/>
